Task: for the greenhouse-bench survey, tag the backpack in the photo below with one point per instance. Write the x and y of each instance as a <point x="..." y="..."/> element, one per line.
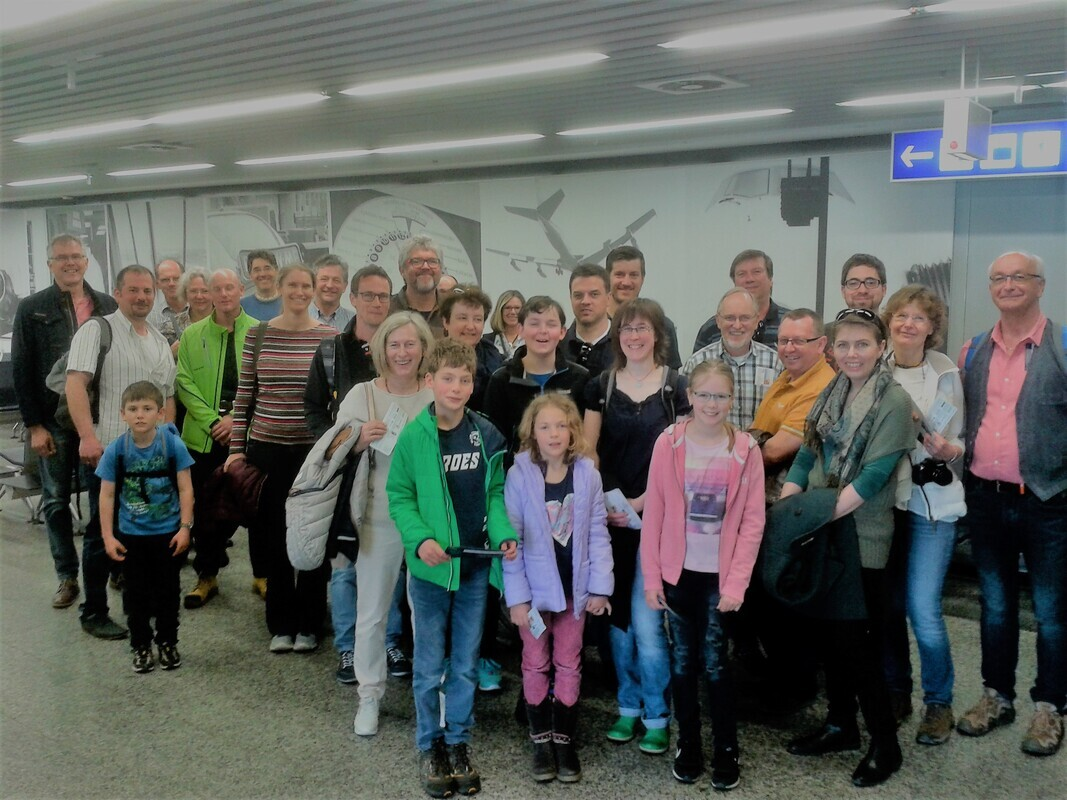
<point x="57" y="379"/>
<point x="977" y="340"/>
<point x="668" y="388"/>
<point x="120" y="469"/>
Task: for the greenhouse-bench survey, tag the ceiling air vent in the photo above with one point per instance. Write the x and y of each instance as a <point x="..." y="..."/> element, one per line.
<point x="691" y="84"/>
<point x="155" y="147"/>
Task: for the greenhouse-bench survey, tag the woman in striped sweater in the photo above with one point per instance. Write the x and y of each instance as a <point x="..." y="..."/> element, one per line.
<point x="269" y="429"/>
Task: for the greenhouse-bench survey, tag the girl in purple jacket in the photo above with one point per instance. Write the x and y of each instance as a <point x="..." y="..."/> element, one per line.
<point x="702" y="526"/>
<point x="555" y="502"/>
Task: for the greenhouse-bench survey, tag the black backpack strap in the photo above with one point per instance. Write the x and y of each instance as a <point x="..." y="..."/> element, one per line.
<point x="607" y="386"/>
<point x="329" y="363"/>
<point x="257" y="345"/>
<point x="668" y="391"/>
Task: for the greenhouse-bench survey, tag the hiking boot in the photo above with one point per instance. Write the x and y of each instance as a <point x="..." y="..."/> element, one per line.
<point x="366" y="722"/>
<point x="725" y="769"/>
<point x="655" y="741"/>
<point x="346" y="671"/>
<point x="143" y="661"/>
<point x="205" y="589"/>
<point x="489" y="672"/>
<point x="66" y="594"/>
<point x="623" y="730"/>
<point x="464" y="774"/>
<point x="936" y="726"/>
<point x="1045" y="734"/>
<point x="991" y="711"/>
<point x="688" y="760"/>
<point x="103" y="627"/>
<point x="398" y="664"/>
<point x="169" y="657"/>
<point x="900" y="705"/>
<point x="259" y="586"/>
<point x="435" y="771"/>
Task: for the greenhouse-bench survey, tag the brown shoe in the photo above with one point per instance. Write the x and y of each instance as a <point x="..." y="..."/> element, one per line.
<point x="990" y="712"/>
<point x="900" y="703"/>
<point x="205" y="589"/>
<point x="1045" y="734"/>
<point x="936" y="726"/>
<point x="66" y="594"/>
<point x="259" y="586"/>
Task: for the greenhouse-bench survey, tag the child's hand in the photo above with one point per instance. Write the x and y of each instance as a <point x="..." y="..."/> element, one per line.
<point x="510" y="549"/>
<point x="655" y="600"/>
<point x="598" y="605"/>
<point x="431" y="554"/>
<point x="180" y="543"/>
<point x="114" y="548"/>
<point x="520" y="615"/>
<point x="727" y="603"/>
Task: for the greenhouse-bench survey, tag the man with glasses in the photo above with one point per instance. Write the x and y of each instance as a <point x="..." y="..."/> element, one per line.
<point x="863" y="282"/>
<point x="753" y="271"/>
<point x="45" y="323"/>
<point x="587" y="342"/>
<point x="755" y="365"/>
<point x="421" y="262"/>
<point x="1015" y="476"/>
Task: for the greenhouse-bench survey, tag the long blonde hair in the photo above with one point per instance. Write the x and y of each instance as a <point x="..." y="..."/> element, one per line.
<point x="578" y="446"/>
<point x="710" y="368"/>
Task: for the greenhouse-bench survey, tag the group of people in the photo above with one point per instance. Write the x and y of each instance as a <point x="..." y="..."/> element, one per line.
<point x="570" y="472"/>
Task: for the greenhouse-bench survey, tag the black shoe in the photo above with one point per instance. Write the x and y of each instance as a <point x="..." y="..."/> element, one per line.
<point x="464" y="774"/>
<point x="169" y="657"/>
<point x="142" y="660"/>
<point x="688" y="760"/>
<point x="881" y="761"/>
<point x="435" y="771"/>
<point x="398" y="664"/>
<point x="103" y="627"/>
<point x="346" y="670"/>
<point x="827" y="739"/>
<point x="725" y="769"/>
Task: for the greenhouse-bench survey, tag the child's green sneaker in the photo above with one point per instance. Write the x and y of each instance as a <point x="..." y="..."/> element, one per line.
<point x="623" y="730"/>
<point x="655" y="741"/>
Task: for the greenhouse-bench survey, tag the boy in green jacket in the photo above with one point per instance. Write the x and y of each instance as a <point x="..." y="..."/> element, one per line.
<point x="446" y="490"/>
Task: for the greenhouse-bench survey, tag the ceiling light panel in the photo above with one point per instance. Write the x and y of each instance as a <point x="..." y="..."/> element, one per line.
<point x="83" y="131"/>
<point x="473" y="75"/>
<point x="330" y="156"/>
<point x="47" y="181"/>
<point x="460" y="143"/>
<point x="240" y="108"/>
<point x="934" y="96"/>
<point x="651" y="125"/>
<point x="131" y="173"/>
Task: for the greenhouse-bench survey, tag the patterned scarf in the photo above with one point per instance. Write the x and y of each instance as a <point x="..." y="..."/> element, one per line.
<point x="846" y="430"/>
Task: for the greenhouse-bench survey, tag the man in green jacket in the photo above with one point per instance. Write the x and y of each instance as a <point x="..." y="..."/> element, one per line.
<point x="209" y="356"/>
<point x="446" y="490"/>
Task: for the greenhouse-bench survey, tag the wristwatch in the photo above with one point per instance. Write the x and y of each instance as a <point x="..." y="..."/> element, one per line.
<point x="188" y="525"/>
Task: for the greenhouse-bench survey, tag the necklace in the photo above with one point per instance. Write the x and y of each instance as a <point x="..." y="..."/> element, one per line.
<point x="637" y="380"/>
<point x="922" y="362"/>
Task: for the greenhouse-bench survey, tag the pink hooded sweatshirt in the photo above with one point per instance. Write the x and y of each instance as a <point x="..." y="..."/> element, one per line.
<point x="663" y="526"/>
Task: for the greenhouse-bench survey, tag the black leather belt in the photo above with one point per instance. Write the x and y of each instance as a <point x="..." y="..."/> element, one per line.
<point x="999" y="487"/>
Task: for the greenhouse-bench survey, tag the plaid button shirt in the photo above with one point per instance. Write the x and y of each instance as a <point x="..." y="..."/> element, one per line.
<point x="753" y="376"/>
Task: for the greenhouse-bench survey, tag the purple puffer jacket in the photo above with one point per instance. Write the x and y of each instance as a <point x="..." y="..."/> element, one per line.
<point x="533" y="576"/>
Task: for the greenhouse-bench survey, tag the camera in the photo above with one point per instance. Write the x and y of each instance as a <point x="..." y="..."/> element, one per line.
<point x="931" y="471"/>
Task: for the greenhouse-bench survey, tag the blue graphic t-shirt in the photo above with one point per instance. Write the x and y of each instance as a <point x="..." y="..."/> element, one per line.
<point x="148" y="506"/>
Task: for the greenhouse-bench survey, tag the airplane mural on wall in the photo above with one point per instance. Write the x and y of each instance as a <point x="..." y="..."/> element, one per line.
<point x="566" y="259"/>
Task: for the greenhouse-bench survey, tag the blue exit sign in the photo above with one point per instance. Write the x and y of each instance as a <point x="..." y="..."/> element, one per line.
<point x="1021" y="148"/>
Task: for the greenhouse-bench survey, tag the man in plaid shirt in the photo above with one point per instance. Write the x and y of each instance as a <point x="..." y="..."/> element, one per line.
<point x="755" y="366"/>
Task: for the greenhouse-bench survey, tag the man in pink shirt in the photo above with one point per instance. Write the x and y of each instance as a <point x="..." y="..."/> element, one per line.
<point x="1015" y="386"/>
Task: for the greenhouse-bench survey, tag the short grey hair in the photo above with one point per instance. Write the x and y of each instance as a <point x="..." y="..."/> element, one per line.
<point x="65" y="238"/>
<point x="187" y="278"/>
<point x="420" y="243"/>
<point x="738" y="290"/>
<point x="331" y="260"/>
<point x="1035" y="262"/>
<point x="224" y="272"/>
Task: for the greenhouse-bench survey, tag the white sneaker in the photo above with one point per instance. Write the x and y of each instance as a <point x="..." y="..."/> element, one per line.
<point x="305" y="643"/>
<point x="366" y="722"/>
<point x="281" y="644"/>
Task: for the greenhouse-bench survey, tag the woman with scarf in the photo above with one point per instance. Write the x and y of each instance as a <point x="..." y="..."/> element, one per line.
<point x="858" y="430"/>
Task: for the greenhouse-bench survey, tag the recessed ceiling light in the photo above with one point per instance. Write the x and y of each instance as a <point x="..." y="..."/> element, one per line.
<point x="239" y="109"/>
<point x="46" y="181"/>
<point x="330" y="156"/>
<point x="473" y="75"/>
<point x="83" y="131"/>
<point x="651" y="125"/>
<point x="778" y="30"/>
<point x="129" y="173"/>
<point x="935" y="95"/>
<point x="458" y="143"/>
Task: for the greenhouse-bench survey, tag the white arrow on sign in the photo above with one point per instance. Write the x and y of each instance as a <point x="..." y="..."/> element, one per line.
<point x="910" y="155"/>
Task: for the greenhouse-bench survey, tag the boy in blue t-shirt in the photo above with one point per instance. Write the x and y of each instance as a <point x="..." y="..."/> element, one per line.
<point x="145" y="521"/>
<point x="446" y="490"/>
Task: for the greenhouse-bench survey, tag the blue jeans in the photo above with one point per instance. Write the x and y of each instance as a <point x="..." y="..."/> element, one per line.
<point x="699" y="644"/>
<point x="916" y="582"/>
<point x="96" y="566"/>
<point x="436" y="612"/>
<point x="1002" y="525"/>
<point x="343" y="609"/>
<point x="643" y="662"/>
<point x="56" y="486"/>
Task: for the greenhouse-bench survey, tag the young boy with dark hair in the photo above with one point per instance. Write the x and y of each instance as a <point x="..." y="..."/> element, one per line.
<point x="146" y="514"/>
<point x="446" y="490"/>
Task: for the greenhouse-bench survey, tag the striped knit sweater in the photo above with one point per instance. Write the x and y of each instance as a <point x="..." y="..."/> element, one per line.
<point x="278" y="381"/>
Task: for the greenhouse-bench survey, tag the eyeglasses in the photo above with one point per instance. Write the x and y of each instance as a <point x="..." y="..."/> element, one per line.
<point x="370" y="297"/>
<point x="68" y="259"/>
<point x="859" y="312"/>
<point x="629" y="330"/>
<point x="867" y="283"/>
<point x="712" y="397"/>
<point x="744" y="319"/>
<point x="797" y="341"/>
<point x="1018" y="277"/>
<point x="918" y="319"/>
<point x="429" y="262"/>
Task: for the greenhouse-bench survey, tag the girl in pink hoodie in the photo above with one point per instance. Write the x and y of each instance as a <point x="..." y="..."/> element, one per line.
<point x="703" y="522"/>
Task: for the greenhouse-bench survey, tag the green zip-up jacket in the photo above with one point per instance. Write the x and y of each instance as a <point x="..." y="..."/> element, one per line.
<point x="200" y="371"/>
<point x="420" y="503"/>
